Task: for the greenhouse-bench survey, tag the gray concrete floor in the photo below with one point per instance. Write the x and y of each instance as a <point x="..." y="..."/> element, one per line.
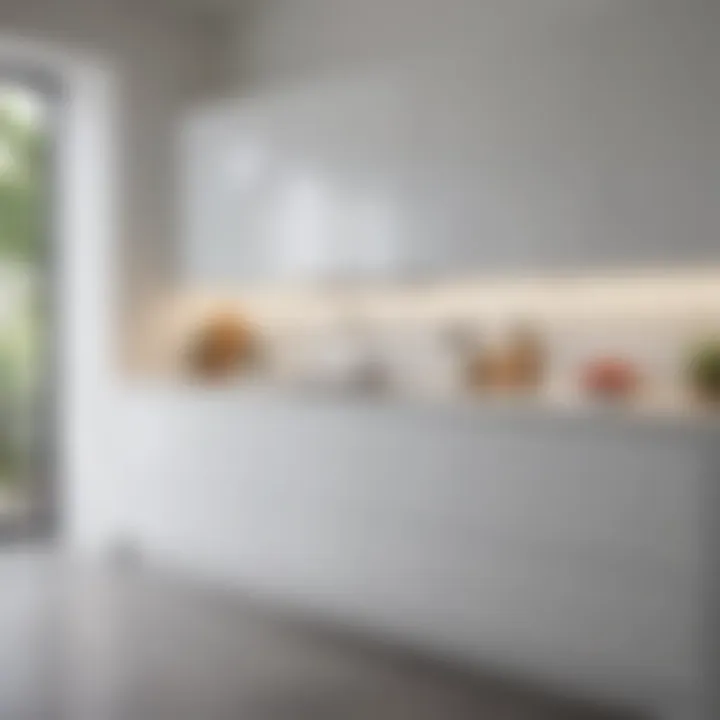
<point x="80" y="644"/>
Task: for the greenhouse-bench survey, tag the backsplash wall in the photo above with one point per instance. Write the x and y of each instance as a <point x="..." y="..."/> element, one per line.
<point x="650" y="318"/>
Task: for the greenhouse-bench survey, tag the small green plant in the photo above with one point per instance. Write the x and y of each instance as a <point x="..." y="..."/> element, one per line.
<point x="704" y="368"/>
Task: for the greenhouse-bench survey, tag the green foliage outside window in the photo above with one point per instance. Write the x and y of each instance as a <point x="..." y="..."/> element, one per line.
<point x="23" y="147"/>
<point x="23" y="178"/>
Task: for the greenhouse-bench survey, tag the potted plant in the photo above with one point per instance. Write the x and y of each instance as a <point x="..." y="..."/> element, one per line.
<point x="704" y="369"/>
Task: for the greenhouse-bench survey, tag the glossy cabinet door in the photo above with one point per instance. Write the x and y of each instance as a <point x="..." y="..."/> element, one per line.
<point x="219" y="218"/>
<point x="295" y="186"/>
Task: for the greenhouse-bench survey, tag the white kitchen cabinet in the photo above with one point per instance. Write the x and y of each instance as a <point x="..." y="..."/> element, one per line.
<point x="300" y="186"/>
<point x="220" y="214"/>
<point x="570" y="549"/>
<point x="444" y="168"/>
